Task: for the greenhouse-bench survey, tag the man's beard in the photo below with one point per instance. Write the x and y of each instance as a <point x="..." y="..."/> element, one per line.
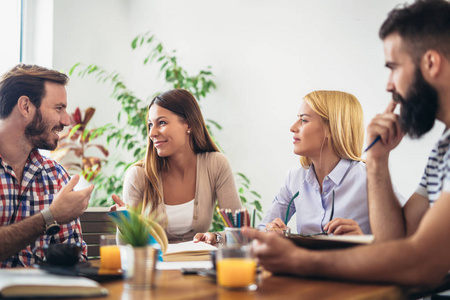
<point x="38" y="132"/>
<point x="419" y="107"/>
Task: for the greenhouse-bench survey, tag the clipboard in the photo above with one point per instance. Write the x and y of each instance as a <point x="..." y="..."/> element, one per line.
<point x="330" y="242"/>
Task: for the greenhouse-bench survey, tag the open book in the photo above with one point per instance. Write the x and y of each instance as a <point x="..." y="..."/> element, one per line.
<point x="188" y="251"/>
<point x="35" y="283"/>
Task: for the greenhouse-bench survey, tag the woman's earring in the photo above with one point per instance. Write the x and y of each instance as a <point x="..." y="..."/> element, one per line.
<point x="188" y="131"/>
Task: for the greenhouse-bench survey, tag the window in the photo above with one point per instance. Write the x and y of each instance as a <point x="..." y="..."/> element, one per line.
<point x="10" y="24"/>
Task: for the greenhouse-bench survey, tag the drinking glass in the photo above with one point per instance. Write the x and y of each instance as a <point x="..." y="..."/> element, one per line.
<point x="236" y="268"/>
<point x="109" y="252"/>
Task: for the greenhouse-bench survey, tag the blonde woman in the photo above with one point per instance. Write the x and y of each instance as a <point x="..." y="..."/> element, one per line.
<point x="328" y="190"/>
<point x="183" y="174"/>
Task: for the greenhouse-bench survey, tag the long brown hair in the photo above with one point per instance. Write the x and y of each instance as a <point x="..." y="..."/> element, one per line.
<point x="184" y="104"/>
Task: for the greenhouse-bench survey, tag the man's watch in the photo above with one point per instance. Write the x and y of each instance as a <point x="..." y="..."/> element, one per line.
<point x="51" y="226"/>
<point x="218" y="237"/>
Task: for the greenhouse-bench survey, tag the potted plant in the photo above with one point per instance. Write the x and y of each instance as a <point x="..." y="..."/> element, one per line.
<point x="132" y="138"/>
<point x="143" y="239"/>
<point x="77" y="140"/>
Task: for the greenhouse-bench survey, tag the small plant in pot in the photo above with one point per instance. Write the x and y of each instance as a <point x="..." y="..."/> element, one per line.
<point x="143" y="238"/>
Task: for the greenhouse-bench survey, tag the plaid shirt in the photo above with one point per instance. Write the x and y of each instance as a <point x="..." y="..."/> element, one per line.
<point x="42" y="179"/>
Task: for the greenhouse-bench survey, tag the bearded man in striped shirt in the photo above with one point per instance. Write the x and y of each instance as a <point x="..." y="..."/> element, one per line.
<point x="412" y="242"/>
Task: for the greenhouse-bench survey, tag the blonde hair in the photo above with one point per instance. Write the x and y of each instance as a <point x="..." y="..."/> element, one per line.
<point x="184" y="104"/>
<point x="342" y="114"/>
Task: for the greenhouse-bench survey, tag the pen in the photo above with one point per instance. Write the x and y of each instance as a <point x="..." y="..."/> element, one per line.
<point x="253" y="219"/>
<point x="373" y="143"/>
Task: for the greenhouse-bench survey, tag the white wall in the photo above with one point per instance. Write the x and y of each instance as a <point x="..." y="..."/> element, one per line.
<point x="265" y="56"/>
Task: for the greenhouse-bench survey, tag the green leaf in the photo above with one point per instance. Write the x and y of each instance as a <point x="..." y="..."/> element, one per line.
<point x="218" y="126"/>
<point x="243" y="177"/>
<point x="134" y="42"/>
<point x="73" y="68"/>
<point x="256" y="194"/>
<point x="257" y="205"/>
<point x="73" y="131"/>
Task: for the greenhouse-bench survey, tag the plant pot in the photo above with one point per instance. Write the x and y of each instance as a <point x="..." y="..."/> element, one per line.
<point x="139" y="266"/>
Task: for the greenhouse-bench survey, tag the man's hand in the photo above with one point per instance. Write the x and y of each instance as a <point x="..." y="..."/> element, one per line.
<point x="68" y="204"/>
<point x="341" y="226"/>
<point x="274" y="252"/>
<point x="385" y="125"/>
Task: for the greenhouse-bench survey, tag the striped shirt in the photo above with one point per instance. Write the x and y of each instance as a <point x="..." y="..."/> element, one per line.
<point x="436" y="177"/>
<point x="42" y="179"/>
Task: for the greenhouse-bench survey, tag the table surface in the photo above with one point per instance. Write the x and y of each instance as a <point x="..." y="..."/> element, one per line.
<point x="171" y="284"/>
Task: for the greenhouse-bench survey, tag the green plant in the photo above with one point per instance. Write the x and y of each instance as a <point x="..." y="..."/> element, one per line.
<point x="132" y="137"/>
<point x="133" y="229"/>
<point x="77" y="140"/>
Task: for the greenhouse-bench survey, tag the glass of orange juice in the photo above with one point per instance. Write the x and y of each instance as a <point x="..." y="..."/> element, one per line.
<point x="236" y="268"/>
<point x="109" y="253"/>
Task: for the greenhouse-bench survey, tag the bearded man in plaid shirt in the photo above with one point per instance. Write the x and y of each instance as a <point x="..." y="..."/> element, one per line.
<point x="37" y="203"/>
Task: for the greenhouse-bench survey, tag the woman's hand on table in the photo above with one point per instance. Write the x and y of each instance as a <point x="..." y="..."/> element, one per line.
<point x="341" y="226"/>
<point x="207" y="237"/>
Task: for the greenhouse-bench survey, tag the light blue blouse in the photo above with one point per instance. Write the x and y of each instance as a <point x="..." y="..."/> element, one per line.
<point x="348" y="180"/>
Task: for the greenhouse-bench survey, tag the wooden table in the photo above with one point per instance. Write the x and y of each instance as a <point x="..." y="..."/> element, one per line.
<point x="171" y="284"/>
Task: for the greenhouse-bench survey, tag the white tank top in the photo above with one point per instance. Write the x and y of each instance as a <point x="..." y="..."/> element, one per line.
<point x="180" y="217"/>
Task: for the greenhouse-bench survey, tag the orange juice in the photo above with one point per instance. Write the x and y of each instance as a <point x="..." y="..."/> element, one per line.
<point x="236" y="272"/>
<point x="110" y="257"/>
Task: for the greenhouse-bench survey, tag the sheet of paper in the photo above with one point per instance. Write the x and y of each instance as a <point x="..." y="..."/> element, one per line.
<point x="189" y="246"/>
<point x="368" y="238"/>
<point x="177" y="265"/>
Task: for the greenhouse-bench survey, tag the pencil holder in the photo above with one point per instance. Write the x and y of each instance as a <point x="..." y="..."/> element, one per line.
<point x="234" y="237"/>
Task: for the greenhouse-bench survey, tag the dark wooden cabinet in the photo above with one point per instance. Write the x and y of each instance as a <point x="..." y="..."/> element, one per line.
<point x="95" y="222"/>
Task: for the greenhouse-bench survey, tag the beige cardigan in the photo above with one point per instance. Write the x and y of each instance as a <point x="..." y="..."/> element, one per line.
<point x="214" y="181"/>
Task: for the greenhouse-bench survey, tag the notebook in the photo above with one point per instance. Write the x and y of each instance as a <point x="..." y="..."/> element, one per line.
<point x="36" y="283"/>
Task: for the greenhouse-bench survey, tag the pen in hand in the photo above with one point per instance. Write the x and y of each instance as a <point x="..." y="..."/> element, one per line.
<point x="373" y="143"/>
<point x="390" y="109"/>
